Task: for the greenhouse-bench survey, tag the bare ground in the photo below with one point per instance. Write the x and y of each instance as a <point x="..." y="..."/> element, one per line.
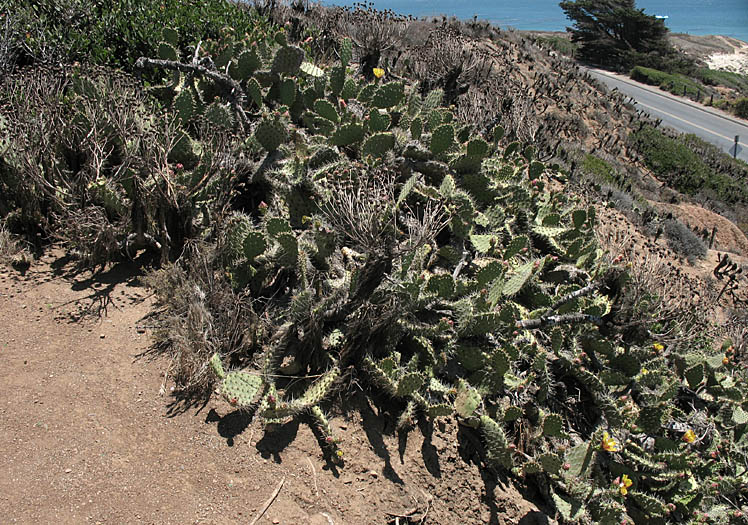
<point x="90" y="433"/>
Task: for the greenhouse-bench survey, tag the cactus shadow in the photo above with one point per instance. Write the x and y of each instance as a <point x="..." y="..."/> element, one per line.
<point x="230" y="425"/>
<point x="276" y="439"/>
<point x="428" y="451"/>
<point x="375" y="427"/>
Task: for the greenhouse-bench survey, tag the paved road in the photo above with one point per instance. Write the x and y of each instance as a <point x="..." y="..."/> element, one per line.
<point x="681" y="115"/>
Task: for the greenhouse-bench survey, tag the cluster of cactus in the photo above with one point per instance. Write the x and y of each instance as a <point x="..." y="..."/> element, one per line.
<point x="503" y="317"/>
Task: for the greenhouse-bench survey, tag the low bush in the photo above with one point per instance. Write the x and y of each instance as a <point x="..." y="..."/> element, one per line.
<point x="114" y="33"/>
<point x="740" y="107"/>
<point x="715" y="77"/>
<point x="675" y="83"/>
<point x="680" y="167"/>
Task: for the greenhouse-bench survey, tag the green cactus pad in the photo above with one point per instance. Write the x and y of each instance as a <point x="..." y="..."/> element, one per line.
<point x="477" y="148"/>
<point x="551" y="463"/>
<point x="167" y="51"/>
<point x="578" y="218"/>
<point x="378" y="144"/>
<point x="276" y="226"/>
<point x="488" y="273"/>
<point x="580" y="458"/>
<point x="553" y="426"/>
<point x="484" y="243"/>
<point x="496" y="443"/>
<point x="485" y="323"/>
<point x="241" y="388"/>
<point x="695" y="375"/>
<point x="326" y="110"/>
<point x="378" y="121"/>
<point x="650" y="419"/>
<point x="346" y="51"/>
<point x="465" y="164"/>
<point x="320" y="388"/>
<point x="512" y="413"/>
<point x="518" y="280"/>
<point x="337" y="80"/>
<point x="442" y="285"/>
<point x="347" y="135"/>
<point x="470" y="357"/>
<point x="219" y="115"/>
<point x="442" y="139"/>
<point x="468" y="400"/>
<point x="248" y="62"/>
<point x="433" y="100"/>
<point x="536" y="169"/>
<point x="350" y="89"/>
<point x="184" y="105"/>
<point x="409" y="384"/>
<point x="170" y="36"/>
<point x="500" y="362"/>
<point x="739" y="416"/>
<point x="440" y="410"/>
<point x="288" y="60"/>
<point x="571" y="509"/>
<point x="217" y="366"/>
<point x="270" y="134"/>
<point x="388" y="95"/>
<point x="289" y="250"/>
<point x="416" y="128"/>
<point x="287" y="92"/>
<point x="254" y="245"/>
<point x="447" y="187"/>
<point x="255" y="92"/>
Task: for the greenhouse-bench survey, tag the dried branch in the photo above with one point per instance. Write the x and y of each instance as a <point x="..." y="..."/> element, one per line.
<point x="232" y="90"/>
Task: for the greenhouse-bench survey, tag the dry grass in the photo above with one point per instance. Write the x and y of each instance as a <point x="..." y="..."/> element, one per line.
<point x="200" y="314"/>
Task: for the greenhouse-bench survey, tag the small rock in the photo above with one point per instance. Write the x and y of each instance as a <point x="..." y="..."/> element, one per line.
<point x="102" y="336"/>
<point x="68" y="470"/>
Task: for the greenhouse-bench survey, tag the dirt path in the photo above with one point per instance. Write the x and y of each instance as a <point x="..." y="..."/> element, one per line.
<point x="88" y="438"/>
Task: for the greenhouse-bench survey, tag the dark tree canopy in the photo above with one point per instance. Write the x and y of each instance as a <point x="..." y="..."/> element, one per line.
<point x="615" y="34"/>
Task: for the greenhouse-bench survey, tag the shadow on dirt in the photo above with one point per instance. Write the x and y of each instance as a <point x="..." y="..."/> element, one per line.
<point x="100" y="284"/>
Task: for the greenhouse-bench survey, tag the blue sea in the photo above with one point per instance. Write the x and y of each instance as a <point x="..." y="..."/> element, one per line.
<point x="696" y="17"/>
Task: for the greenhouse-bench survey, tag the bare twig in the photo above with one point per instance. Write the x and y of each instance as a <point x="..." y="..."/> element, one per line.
<point x="269" y="502"/>
<point x="231" y="87"/>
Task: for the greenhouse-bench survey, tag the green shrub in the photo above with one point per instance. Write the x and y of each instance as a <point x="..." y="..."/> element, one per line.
<point x="596" y="166"/>
<point x="714" y="77"/>
<point x="681" y="168"/>
<point x="674" y="83"/>
<point x="116" y="33"/>
<point x="741" y="107"/>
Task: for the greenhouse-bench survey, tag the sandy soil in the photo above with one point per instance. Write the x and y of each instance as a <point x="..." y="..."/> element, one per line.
<point x="90" y="433"/>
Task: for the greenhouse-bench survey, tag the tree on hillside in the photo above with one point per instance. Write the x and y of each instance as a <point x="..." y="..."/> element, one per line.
<point x="615" y="34"/>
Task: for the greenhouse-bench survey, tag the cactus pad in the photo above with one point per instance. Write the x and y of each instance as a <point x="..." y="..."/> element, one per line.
<point x="442" y="139"/>
<point x="388" y="95"/>
<point x="241" y="388"/>
<point x="347" y="135"/>
<point x="288" y="60"/>
<point x="270" y="134"/>
<point x="378" y="144"/>
<point x="254" y="245"/>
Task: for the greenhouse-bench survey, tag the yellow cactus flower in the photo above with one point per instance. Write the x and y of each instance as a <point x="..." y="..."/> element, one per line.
<point x="689" y="436"/>
<point x="659" y="347"/>
<point x="609" y="444"/>
<point x="644" y="371"/>
<point x="623" y="484"/>
<point x="378" y="72"/>
<point x="339" y="453"/>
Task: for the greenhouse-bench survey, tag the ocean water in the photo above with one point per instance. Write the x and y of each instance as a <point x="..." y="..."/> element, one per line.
<point x="696" y="17"/>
